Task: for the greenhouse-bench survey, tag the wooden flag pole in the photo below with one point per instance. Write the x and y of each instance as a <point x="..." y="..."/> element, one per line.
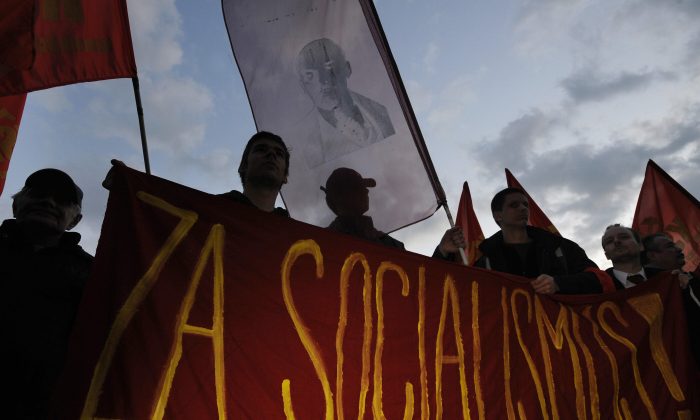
<point x="142" y="126"/>
<point x="452" y="224"/>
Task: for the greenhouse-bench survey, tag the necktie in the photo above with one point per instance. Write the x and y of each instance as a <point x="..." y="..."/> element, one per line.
<point x="635" y="278"/>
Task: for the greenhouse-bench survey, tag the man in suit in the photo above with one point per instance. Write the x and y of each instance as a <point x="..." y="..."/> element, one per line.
<point x="623" y="247"/>
<point x="342" y="121"/>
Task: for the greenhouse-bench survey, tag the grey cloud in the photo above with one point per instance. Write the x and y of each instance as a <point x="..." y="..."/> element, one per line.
<point x="586" y="86"/>
<point x="516" y="140"/>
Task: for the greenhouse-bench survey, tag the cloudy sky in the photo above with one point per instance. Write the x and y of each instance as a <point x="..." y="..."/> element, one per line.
<point x="572" y="96"/>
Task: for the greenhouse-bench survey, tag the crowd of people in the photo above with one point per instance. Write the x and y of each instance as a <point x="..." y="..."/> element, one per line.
<point x="44" y="269"/>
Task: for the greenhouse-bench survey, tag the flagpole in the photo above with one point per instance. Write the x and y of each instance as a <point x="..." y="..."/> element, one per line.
<point x="142" y="126"/>
<point x="452" y="224"/>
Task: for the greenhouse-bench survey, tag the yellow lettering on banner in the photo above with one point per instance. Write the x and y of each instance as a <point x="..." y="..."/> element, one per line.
<point x="557" y="334"/>
<point x="506" y="355"/>
<point x="408" y="409"/>
<point x="609" y="306"/>
<point x="451" y="298"/>
<point x="299" y="248"/>
<point x="424" y="405"/>
<point x="287" y="401"/>
<point x="214" y="245"/>
<point x="651" y="309"/>
<point x="476" y="344"/>
<point x="136" y="298"/>
<point x="531" y="364"/>
<point x="611" y="358"/>
<point x="590" y="367"/>
<point x="345" y="272"/>
<point x="685" y="415"/>
<point x="385" y="266"/>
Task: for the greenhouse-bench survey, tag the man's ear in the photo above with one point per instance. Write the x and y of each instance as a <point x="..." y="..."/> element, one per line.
<point x="497" y="216"/>
<point x="75" y="221"/>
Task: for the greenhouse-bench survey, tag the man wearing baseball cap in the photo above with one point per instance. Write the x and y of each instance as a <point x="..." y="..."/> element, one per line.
<point x="43" y="271"/>
<point x="347" y="195"/>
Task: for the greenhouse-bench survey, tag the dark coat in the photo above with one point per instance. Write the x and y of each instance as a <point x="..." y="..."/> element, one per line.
<point x="41" y="292"/>
<point x="548" y="254"/>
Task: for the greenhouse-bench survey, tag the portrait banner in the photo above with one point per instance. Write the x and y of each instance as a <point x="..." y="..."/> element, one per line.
<point x="665" y="206"/>
<point x="537" y="216"/>
<point x="11" y="108"/>
<point x="320" y="74"/>
<point x="73" y="41"/>
<point x="203" y="308"/>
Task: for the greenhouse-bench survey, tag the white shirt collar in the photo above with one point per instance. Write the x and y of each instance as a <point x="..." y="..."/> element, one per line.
<point x="621" y="276"/>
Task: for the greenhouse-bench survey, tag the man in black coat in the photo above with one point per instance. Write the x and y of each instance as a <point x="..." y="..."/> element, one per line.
<point x="556" y="264"/>
<point x="43" y="272"/>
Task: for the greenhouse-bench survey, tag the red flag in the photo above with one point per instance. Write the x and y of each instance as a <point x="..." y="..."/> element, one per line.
<point x="537" y="216"/>
<point x="466" y="219"/>
<point x="665" y="206"/>
<point x="16" y="35"/>
<point x="11" y="108"/>
<point x="74" y="41"/>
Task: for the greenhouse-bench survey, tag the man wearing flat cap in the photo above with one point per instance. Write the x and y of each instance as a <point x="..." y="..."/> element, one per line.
<point x="347" y="195"/>
<point x="43" y="271"/>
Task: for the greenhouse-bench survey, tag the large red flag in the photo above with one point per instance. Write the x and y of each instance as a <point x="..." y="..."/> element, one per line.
<point x="11" y="108"/>
<point x="665" y="206"/>
<point x="466" y="219"/>
<point x="16" y="35"/>
<point x="74" y="41"/>
<point x="537" y="216"/>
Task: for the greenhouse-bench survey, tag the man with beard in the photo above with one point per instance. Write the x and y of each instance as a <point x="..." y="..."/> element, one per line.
<point x="263" y="170"/>
<point x="343" y="120"/>
<point x="43" y="272"/>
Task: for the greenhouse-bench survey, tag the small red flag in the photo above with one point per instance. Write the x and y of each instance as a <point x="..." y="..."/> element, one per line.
<point x="665" y="206"/>
<point x="11" y="108"/>
<point x="537" y="216"/>
<point x="466" y="219"/>
<point x="73" y="41"/>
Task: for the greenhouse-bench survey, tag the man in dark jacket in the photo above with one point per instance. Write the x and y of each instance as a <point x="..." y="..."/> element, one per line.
<point x="43" y="271"/>
<point x="347" y="195"/>
<point x="556" y="264"/>
<point x="263" y="170"/>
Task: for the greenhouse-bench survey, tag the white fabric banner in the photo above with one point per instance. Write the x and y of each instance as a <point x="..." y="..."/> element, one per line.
<point x="315" y="76"/>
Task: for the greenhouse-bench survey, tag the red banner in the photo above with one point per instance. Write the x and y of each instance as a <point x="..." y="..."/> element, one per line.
<point x="201" y="308"/>
<point x="537" y="216"/>
<point x="665" y="206"/>
<point x="466" y="219"/>
<point x="74" y="41"/>
<point x="11" y="108"/>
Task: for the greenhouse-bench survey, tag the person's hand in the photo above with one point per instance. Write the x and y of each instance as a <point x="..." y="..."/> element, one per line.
<point x="109" y="178"/>
<point x="545" y="284"/>
<point x="683" y="278"/>
<point x="452" y="241"/>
